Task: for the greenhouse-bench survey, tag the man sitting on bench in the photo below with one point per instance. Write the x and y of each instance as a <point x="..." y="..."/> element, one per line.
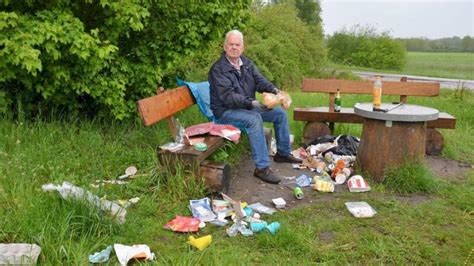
<point x="234" y="79"/>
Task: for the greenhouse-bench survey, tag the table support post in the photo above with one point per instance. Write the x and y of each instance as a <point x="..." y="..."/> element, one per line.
<point x="382" y="146"/>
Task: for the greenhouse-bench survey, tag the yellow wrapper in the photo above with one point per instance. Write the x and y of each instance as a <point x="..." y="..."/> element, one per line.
<point x="323" y="186"/>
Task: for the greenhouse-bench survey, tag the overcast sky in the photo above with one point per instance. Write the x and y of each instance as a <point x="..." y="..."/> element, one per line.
<point x="404" y="18"/>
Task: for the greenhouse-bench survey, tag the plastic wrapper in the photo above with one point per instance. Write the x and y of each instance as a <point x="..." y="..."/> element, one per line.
<point x="360" y="209"/>
<point x="201" y="209"/>
<point x="69" y="191"/>
<point x="19" y="254"/>
<point x="183" y="224"/>
<point x="258" y="207"/>
<point x="323" y="186"/>
<point x="126" y="253"/>
<point x="271" y="100"/>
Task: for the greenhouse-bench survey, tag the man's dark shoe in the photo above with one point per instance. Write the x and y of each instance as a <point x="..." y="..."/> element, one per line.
<point x="267" y="175"/>
<point x="286" y="159"/>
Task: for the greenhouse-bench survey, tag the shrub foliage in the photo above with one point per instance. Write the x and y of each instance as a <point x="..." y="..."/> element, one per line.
<point x="283" y="46"/>
<point x="366" y="47"/>
<point x="101" y="56"/>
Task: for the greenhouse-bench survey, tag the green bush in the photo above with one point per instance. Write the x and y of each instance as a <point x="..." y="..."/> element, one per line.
<point x="284" y="47"/>
<point x="99" y="57"/>
<point x="366" y="48"/>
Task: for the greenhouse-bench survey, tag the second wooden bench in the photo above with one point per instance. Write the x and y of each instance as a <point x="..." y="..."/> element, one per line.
<point x="320" y="120"/>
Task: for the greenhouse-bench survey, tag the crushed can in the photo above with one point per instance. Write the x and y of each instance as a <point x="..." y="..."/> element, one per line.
<point x="298" y="192"/>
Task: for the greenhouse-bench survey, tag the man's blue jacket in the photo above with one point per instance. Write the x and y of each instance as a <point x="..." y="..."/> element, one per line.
<point x="231" y="90"/>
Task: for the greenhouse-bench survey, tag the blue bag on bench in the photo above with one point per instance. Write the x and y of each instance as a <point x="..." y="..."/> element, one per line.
<point x="201" y="94"/>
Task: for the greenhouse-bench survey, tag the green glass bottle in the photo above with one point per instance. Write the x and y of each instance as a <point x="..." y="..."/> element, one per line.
<point x="337" y="101"/>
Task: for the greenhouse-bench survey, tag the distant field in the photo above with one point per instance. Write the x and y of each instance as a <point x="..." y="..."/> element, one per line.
<point x="446" y="65"/>
<point x="432" y="64"/>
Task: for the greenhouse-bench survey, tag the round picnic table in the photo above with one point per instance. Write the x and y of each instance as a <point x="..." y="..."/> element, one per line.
<point x="390" y="135"/>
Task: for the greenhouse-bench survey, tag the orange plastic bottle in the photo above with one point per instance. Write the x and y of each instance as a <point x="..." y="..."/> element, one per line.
<point x="377" y="93"/>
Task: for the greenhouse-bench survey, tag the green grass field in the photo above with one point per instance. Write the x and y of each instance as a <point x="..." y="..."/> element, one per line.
<point x="448" y="65"/>
<point x="432" y="64"/>
<point x="435" y="230"/>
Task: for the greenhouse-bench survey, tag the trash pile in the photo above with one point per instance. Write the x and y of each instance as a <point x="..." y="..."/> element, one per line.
<point x="247" y="219"/>
<point x="332" y="160"/>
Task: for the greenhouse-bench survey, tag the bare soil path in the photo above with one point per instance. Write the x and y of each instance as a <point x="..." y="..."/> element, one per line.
<point x="244" y="186"/>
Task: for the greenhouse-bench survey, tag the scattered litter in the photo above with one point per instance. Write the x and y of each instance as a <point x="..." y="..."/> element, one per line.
<point x="183" y="224"/>
<point x="300" y="153"/>
<point x="172" y="146"/>
<point x="303" y="181"/>
<point x="357" y="184"/>
<point x="126" y="253"/>
<point x="202" y="224"/>
<point x="196" y="140"/>
<point x="279" y="203"/>
<point x="236" y="206"/>
<point x="219" y="222"/>
<point x="200" y="146"/>
<point x="200" y="243"/>
<point x="298" y="192"/>
<point x="360" y="209"/>
<point x="19" y="254"/>
<point x="226" y="131"/>
<point x="131" y="170"/>
<point x="258" y="207"/>
<point x="127" y="203"/>
<point x="68" y="190"/>
<point x="106" y="181"/>
<point x="101" y="256"/>
<point x="273" y="227"/>
<point x="258" y="226"/>
<point x="323" y="186"/>
<point x="201" y="209"/>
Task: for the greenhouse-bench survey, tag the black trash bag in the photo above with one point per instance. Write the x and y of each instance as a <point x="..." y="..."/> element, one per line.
<point x="324" y="139"/>
<point x="346" y="145"/>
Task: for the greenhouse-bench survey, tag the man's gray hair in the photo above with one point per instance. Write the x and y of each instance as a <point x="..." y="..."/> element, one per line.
<point x="234" y="32"/>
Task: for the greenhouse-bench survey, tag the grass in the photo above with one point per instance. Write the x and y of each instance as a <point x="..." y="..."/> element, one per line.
<point x="432" y="64"/>
<point x="403" y="232"/>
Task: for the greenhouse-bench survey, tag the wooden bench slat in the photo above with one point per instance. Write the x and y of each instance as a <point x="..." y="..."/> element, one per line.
<point x="188" y="154"/>
<point x="347" y="115"/>
<point x="322" y="114"/>
<point x="365" y="87"/>
<point x="444" y="120"/>
<point x="163" y="105"/>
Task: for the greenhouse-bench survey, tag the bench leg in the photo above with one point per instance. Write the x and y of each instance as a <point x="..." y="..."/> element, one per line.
<point x="434" y="142"/>
<point x="217" y="175"/>
<point x="314" y="130"/>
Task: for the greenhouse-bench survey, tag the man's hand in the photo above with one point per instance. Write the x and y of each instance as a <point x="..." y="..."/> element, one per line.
<point x="259" y="106"/>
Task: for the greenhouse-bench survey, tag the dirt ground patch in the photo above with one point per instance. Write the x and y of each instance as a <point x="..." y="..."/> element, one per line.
<point x="246" y="187"/>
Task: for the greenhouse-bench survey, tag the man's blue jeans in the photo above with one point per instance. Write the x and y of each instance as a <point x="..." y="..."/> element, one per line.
<point x="252" y="122"/>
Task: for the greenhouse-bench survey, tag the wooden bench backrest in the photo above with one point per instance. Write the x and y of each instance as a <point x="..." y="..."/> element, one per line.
<point x="365" y="87"/>
<point x="401" y="88"/>
<point x="164" y="105"/>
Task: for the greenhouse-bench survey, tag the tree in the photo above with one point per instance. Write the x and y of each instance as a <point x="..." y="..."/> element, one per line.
<point x="467" y="44"/>
<point x="101" y="56"/>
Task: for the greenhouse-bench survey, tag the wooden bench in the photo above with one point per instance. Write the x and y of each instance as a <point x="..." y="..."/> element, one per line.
<point x="162" y="107"/>
<point x="320" y="120"/>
